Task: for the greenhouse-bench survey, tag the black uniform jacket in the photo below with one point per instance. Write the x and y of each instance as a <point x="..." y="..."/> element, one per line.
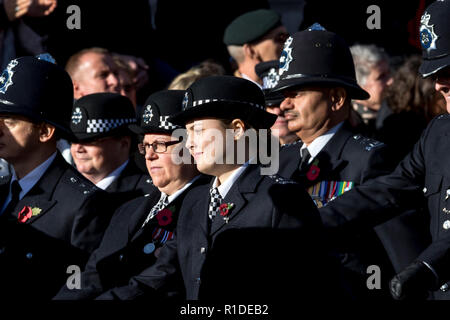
<point x="128" y="248"/>
<point x="348" y="160"/>
<point x="424" y="174"/>
<point x="69" y="216"/>
<point x="263" y="247"/>
<point x="130" y="184"/>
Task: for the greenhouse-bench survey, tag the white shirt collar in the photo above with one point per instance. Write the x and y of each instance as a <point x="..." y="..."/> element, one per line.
<point x="250" y="79"/>
<point x="106" y="181"/>
<point x="228" y="183"/>
<point x="28" y="182"/>
<point x="319" y="143"/>
<point x="175" y="195"/>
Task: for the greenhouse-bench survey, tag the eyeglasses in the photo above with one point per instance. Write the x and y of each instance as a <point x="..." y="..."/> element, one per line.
<point x="158" y="146"/>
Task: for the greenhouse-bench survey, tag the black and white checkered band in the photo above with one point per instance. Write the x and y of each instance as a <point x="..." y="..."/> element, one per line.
<point x="215" y="201"/>
<point x="104" y="125"/>
<point x="197" y="103"/>
<point x="165" y="124"/>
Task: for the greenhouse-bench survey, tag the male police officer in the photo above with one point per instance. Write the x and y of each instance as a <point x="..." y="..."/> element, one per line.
<point x="102" y="150"/>
<point x="254" y="37"/>
<point x="423" y="172"/>
<point x="50" y="217"/>
<point x="317" y="78"/>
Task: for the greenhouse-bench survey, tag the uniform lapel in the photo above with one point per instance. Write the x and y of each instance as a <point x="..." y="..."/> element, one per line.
<point x="39" y="198"/>
<point x="246" y="183"/>
<point x="328" y="161"/>
<point x="134" y="228"/>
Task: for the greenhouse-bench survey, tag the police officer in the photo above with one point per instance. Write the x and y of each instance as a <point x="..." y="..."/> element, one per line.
<point x="317" y="79"/>
<point x="50" y="217"/>
<point x="268" y="72"/>
<point x="422" y="173"/>
<point x="140" y="228"/>
<point x="103" y="145"/>
<point x="254" y="37"/>
<point x="227" y="239"/>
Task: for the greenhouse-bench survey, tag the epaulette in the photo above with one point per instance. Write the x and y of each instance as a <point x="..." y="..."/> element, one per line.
<point x="280" y="180"/>
<point x="367" y="143"/>
<point x="80" y="185"/>
<point x="443" y="116"/>
<point x="149" y="181"/>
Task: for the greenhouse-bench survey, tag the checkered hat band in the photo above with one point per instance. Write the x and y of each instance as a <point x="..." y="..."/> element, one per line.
<point x="166" y="125"/>
<point x="200" y="102"/>
<point x="105" y="125"/>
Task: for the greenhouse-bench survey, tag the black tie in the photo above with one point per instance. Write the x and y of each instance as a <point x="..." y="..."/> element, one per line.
<point x="15" y="192"/>
<point x="305" y="159"/>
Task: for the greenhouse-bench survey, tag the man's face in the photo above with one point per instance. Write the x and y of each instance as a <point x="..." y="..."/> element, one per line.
<point x="96" y="73"/>
<point x="306" y="109"/>
<point x="280" y="127"/>
<point x="271" y="45"/>
<point x="207" y="144"/>
<point x="19" y="138"/>
<point x="443" y="85"/>
<point x="97" y="159"/>
<point x="376" y="83"/>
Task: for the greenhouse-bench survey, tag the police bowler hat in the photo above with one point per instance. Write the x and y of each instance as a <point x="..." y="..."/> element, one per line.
<point x="435" y="38"/>
<point x="157" y="109"/>
<point x="38" y="90"/>
<point x="316" y="57"/>
<point x="225" y="97"/>
<point x="99" y="115"/>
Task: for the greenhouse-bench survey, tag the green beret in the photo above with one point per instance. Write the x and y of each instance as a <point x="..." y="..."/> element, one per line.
<point x="250" y="26"/>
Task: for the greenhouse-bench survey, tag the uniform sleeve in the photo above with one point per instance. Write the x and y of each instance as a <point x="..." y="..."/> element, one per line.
<point x="92" y="220"/>
<point x="153" y="280"/>
<point x="379" y="199"/>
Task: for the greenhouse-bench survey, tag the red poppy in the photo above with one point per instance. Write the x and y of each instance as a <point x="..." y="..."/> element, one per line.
<point x="164" y="217"/>
<point x="25" y="214"/>
<point x="225" y="208"/>
<point x="313" y="172"/>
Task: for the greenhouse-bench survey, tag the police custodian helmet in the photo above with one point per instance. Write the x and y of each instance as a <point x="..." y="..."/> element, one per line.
<point x="318" y="57"/>
<point x="38" y="89"/>
<point x="435" y="38"/>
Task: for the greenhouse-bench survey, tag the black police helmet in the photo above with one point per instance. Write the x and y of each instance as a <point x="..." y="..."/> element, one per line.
<point x="38" y="90"/>
<point x="435" y="38"/>
<point x="318" y="57"/>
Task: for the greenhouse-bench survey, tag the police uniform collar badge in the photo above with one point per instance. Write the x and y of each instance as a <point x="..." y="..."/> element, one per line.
<point x="427" y="35"/>
<point x="6" y="76"/>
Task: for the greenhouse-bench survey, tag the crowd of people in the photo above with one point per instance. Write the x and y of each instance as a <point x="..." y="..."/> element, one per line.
<point x="309" y="165"/>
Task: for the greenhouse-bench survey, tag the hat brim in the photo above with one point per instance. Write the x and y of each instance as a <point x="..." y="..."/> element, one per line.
<point x="430" y="67"/>
<point x="7" y="107"/>
<point x="353" y="89"/>
<point x="147" y="129"/>
<point x="258" y="118"/>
